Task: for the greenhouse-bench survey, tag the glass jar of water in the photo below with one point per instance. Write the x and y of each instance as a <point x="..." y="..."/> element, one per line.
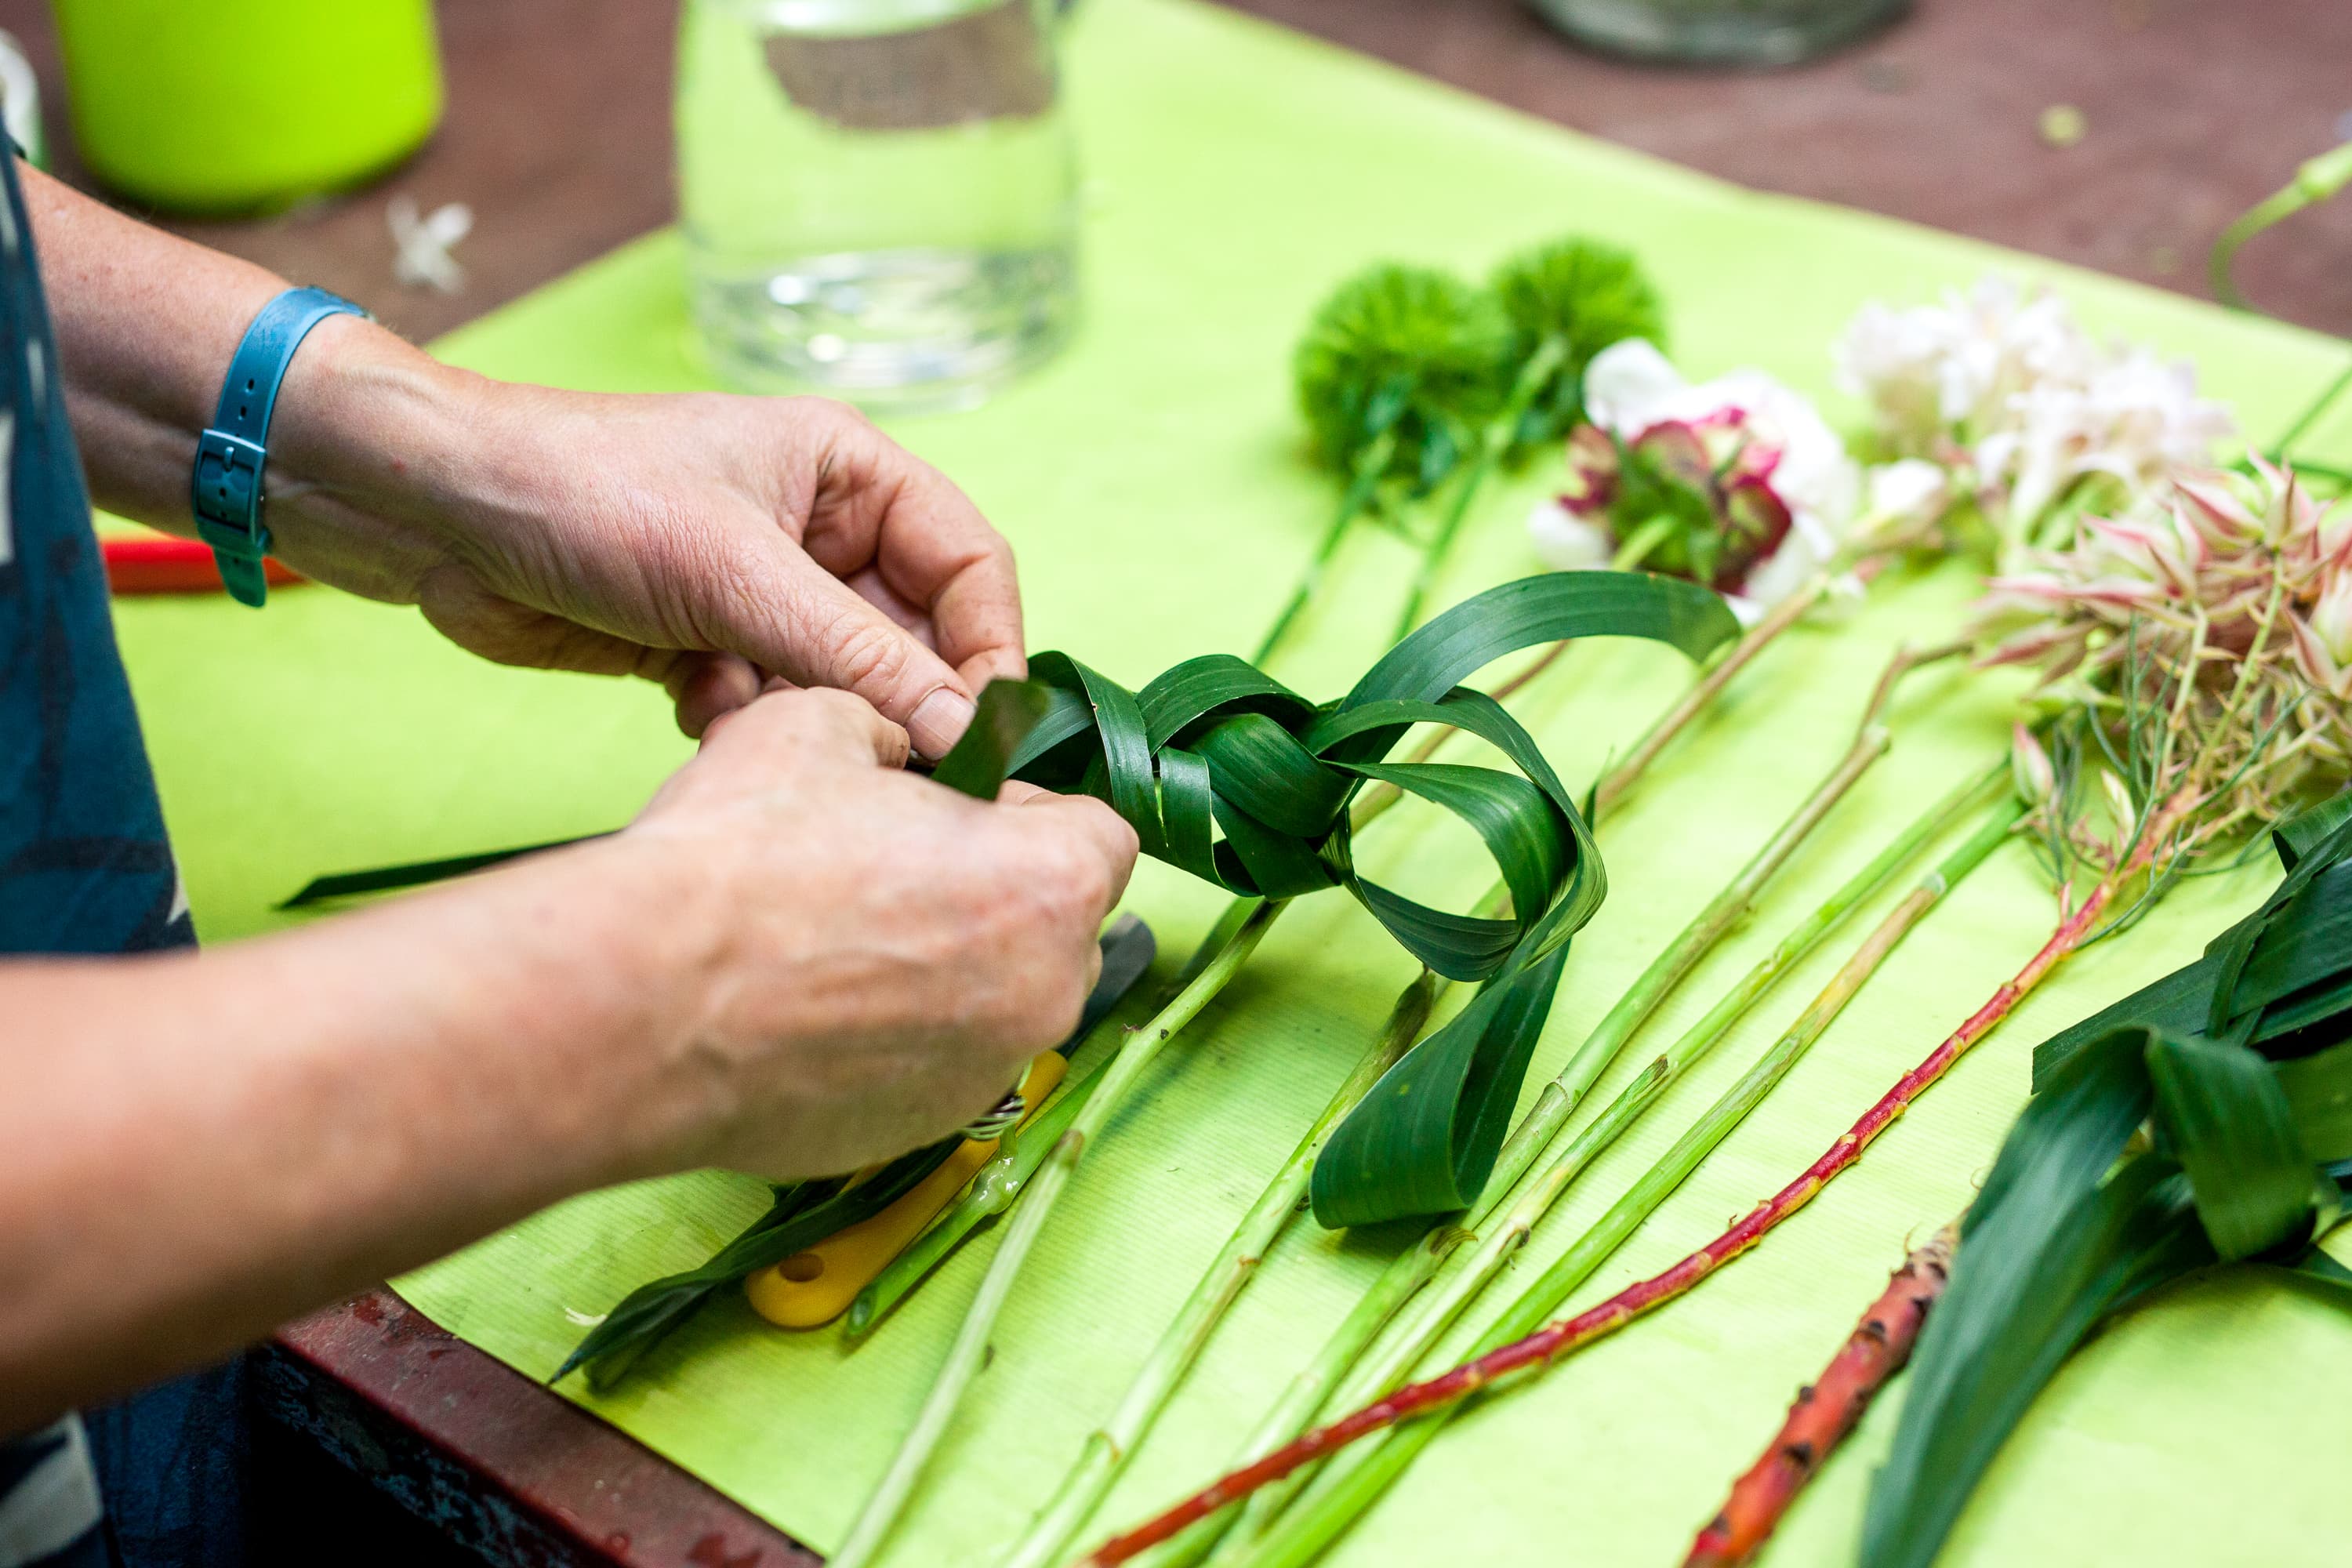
<point x="879" y="197"/>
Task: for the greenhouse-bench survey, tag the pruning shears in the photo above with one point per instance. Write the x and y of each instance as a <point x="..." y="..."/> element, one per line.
<point x="812" y="1289"/>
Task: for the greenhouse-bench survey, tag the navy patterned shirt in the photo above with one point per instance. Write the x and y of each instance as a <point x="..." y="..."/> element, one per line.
<point x="84" y="868"/>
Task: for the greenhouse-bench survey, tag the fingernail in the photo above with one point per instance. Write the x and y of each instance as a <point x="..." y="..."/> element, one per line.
<point x="939" y="723"/>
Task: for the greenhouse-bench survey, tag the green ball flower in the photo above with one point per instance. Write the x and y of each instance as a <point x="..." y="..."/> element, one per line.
<point x="1409" y="350"/>
<point x="1585" y="296"/>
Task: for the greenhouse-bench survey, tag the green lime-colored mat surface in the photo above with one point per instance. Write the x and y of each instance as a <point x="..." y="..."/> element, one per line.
<point x="1152" y="482"/>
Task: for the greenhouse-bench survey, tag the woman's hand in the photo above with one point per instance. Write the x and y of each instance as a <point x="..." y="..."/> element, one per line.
<point x="881" y="955"/>
<point x="712" y="543"/>
<point x="798" y="960"/>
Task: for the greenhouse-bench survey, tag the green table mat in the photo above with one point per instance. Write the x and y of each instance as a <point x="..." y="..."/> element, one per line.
<point x="1153" y="483"/>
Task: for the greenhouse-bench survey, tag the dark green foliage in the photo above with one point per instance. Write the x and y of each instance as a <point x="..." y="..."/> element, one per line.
<point x="1229" y="774"/>
<point x="2203" y="1120"/>
<point x="1411" y="353"/>
<point x="805" y="1212"/>
<point x="801" y="1215"/>
<point x="415" y="874"/>
<point x="1586" y="295"/>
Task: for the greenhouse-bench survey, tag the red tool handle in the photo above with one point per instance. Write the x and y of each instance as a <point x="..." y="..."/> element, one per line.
<point x="162" y="565"/>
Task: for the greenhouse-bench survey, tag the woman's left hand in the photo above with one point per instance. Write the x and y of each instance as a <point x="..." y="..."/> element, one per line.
<point x="717" y="544"/>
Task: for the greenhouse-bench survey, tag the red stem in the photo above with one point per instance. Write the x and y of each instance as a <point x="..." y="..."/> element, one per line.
<point x="1566" y="1335"/>
<point x="1827" y="1410"/>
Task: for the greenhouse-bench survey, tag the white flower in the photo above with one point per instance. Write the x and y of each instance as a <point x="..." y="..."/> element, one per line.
<point x="1567" y="542"/>
<point x="2007" y="392"/>
<point x="2135" y="418"/>
<point x="1629" y="385"/>
<point x="1944" y="374"/>
<point x="1908" y="493"/>
<point x="1753" y="454"/>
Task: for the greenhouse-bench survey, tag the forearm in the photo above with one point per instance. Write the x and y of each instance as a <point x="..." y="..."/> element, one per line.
<point x="195" y="1149"/>
<point x="376" y="449"/>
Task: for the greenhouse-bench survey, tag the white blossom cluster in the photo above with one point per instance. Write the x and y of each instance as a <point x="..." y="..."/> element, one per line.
<point x="2006" y="392"/>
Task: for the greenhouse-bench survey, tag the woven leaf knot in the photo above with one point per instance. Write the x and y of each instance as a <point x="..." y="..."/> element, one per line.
<point x="1227" y="773"/>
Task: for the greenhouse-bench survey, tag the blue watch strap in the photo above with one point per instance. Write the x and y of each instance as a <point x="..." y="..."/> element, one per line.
<point x="232" y="454"/>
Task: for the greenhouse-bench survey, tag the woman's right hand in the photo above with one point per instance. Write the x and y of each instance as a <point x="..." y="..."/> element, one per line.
<point x="869" y="958"/>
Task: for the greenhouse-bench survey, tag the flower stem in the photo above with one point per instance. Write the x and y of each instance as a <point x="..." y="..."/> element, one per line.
<point x="1415" y="1268"/>
<point x="1610" y="792"/>
<point x="971" y="1346"/>
<point x="1108" y="1447"/>
<point x="2310" y="416"/>
<point x="989" y="1193"/>
<point x="1827" y="1409"/>
<point x="1363" y="475"/>
<point x="1537" y="1196"/>
<point x="1514" y="1342"/>
<point x="2317" y="179"/>
<point x="1703" y="693"/>
<point x="1493" y="441"/>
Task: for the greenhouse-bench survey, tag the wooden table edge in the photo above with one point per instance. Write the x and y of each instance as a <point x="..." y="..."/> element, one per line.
<point x="491" y="1458"/>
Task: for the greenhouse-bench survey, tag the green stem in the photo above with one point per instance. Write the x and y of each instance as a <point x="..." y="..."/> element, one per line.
<point x="1638" y="544"/>
<point x="1493" y="442"/>
<point x="2318" y="179"/>
<point x="1425" y="1260"/>
<point x="1679" y="718"/>
<point x="989" y="1193"/>
<point x="2310" y="416"/>
<point x="1365" y="474"/>
<point x="1471" y="1273"/>
<point x="1108" y="1447"/>
<point x="1461" y="1275"/>
<point x="1355" y="1483"/>
<point x="964" y="1356"/>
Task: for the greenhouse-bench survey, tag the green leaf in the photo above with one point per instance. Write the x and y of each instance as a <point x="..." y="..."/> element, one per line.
<point x="416" y="873"/>
<point x="2064" y="1235"/>
<point x="2311" y="830"/>
<point x="2046" y="1250"/>
<point x="1228" y="774"/>
<point x="2318" y="1090"/>
<point x="1006" y="714"/>
<point x="2228" y="1122"/>
<point x="2283" y="972"/>
<point x="648" y="1313"/>
<point x="2238" y="1066"/>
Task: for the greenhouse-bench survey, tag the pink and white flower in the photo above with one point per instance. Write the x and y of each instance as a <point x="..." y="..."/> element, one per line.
<point x="1737" y="482"/>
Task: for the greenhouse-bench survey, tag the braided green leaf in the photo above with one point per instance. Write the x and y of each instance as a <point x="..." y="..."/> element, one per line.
<point x="1225" y="772"/>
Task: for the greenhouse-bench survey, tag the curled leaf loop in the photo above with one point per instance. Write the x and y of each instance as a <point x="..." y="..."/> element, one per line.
<point x="1229" y="774"/>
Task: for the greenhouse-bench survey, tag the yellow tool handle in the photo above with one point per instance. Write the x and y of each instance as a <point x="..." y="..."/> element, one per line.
<point x="812" y="1289"/>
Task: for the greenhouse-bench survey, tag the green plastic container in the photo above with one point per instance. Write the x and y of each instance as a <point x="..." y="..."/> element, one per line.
<point x="228" y="106"/>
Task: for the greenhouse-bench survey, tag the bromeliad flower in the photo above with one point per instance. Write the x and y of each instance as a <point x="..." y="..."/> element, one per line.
<point x="2210" y="630"/>
<point x="1737" y="483"/>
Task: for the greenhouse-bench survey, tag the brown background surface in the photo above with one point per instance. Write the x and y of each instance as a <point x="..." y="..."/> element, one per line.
<point x="558" y="131"/>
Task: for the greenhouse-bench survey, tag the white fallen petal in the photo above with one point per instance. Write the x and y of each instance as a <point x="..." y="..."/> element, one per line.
<point x="421" y="244"/>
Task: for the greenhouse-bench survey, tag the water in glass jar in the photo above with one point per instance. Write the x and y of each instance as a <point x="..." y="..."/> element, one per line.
<point x="877" y="195"/>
